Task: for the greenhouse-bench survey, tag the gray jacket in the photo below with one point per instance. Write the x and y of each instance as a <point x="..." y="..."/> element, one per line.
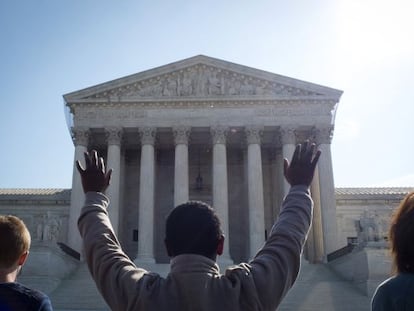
<point x="195" y="282"/>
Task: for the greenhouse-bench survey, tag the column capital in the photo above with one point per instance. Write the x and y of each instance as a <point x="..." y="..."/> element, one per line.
<point x="181" y="134"/>
<point x="80" y="136"/>
<point x="147" y="135"/>
<point x="113" y="135"/>
<point x="288" y="135"/>
<point x="253" y="134"/>
<point x="219" y="134"/>
<point x="323" y="135"/>
<point x="277" y="141"/>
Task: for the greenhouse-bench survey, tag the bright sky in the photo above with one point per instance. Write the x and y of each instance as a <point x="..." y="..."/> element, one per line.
<point x="363" y="47"/>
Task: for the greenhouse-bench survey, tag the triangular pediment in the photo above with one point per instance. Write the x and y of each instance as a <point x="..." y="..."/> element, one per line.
<point x="203" y="77"/>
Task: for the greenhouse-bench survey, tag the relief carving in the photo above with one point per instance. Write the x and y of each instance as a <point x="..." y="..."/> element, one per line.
<point x="203" y="81"/>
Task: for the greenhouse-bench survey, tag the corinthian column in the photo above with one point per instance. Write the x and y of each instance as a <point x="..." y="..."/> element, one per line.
<point x="220" y="193"/>
<point x="323" y="138"/>
<point x="113" y="136"/>
<point x="288" y="138"/>
<point x="317" y="230"/>
<point x="181" y="135"/>
<point x="146" y="197"/>
<point x="255" y="191"/>
<point x="80" y="138"/>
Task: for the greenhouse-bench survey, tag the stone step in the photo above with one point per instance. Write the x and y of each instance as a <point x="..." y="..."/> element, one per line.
<point x="78" y="293"/>
<point x="319" y="288"/>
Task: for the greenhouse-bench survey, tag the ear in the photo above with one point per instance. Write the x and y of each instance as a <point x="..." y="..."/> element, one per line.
<point x="167" y="247"/>
<point x="22" y="258"/>
<point x="220" y="245"/>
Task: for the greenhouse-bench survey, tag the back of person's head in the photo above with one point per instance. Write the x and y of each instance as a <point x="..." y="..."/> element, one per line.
<point x="401" y="236"/>
<point x="193" y="228"/>
<point x="14" y="240"/>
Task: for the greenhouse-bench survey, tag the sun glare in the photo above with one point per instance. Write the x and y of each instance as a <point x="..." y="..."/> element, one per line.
<point x="372" y="32"/>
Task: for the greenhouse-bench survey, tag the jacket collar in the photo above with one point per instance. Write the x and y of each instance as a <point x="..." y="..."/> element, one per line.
<point x="193" y="263"/>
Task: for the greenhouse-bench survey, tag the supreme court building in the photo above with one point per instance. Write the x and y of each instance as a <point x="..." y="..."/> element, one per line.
<point x="210" y="130"/>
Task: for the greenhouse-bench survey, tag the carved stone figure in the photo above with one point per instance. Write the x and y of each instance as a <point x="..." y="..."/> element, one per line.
<point x="213" y="84"/>
<point x="187" y="87"/>
<point x="370" y="227"/>
<point x="48" y="228"/>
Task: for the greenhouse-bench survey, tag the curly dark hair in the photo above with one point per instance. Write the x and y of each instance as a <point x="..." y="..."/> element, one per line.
<point x="193" y="228"/>
<point x="401" y="236"/>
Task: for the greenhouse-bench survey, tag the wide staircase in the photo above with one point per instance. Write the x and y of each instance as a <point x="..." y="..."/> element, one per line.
<point x="317" y="289"/>
<point x="78" y="293"/>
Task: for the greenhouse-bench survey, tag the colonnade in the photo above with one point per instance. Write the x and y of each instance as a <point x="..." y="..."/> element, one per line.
<point x="323" y="237"/>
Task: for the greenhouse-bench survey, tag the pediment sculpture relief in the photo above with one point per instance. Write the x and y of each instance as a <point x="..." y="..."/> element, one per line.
<point x="202" y="81"/>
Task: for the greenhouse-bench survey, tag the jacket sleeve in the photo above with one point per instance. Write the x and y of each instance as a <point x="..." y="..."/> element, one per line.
<point x="275" y="267"/>
<point x="116" y="276"/>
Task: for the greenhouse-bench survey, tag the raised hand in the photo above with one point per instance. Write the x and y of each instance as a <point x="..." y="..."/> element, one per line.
<point x="94" y="176"/>
<point x="302" y="167"/>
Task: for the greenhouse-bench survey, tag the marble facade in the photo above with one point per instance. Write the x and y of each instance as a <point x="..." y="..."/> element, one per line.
<point x="203" y="119"/>
<point x="210" y="130"/>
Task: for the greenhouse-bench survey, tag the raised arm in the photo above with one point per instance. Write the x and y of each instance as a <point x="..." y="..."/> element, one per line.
<point x="276" y="265"/>
<point x="94" y="176"/>
<point x="115" y="275"/>
<point x="302" y="167"/>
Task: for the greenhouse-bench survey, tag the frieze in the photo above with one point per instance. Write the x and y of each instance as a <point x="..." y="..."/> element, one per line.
<point x="110" y="113"/>
<point x="292" y="109"/>
<point x="202" y="81"/>
<point x="126" y="109"/>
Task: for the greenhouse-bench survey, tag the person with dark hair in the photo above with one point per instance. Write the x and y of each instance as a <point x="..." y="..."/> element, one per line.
<point x="14" y="249"/>
<point x="194" y="228"/>
<point x="193" y="240"/>
<point x="397" y="292"/>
